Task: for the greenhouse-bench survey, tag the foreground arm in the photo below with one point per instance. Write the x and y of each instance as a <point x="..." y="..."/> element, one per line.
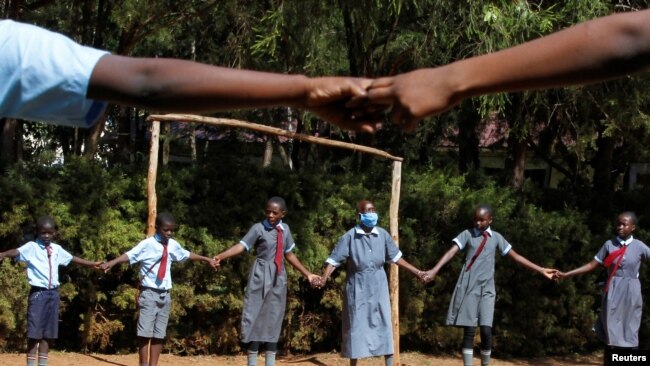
<point x="172" y="85"/>
<point x="522" y="261"/>
<point x="596" y="50"/>
<point x="234" y="250"/>
<point x="408" y="266"/>
<point x="589" y="267"/>
<point x="431" y="274"/>
<point x="211" y="261"/>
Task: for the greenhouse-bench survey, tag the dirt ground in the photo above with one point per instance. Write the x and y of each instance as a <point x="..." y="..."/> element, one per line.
<point x="321" y="359"/>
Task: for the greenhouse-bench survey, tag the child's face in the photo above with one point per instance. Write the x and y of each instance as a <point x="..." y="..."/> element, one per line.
<point x="273" y="213"/>
<point x="46" y="233"/>
<point x="482" y="219"/>
<point x="166" y="229"/>
<point x="625" y="226"/>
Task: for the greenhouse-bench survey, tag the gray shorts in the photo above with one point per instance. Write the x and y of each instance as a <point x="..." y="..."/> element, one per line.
<point x="154" y="313"/>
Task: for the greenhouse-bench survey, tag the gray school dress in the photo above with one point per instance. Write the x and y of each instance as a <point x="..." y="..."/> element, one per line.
<point x="620" y="313"/>
<point x="472" y="303"/>
<point x="366" y="315"/>
<point x="266" y="293"/>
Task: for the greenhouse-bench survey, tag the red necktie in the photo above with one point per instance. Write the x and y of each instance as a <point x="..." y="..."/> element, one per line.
<point x="279" y="249"/>
<point x="478" y="251"/>
<point x="163" y="263"/>
<point x="49" y="261"/>
<point x="619" y="254"/>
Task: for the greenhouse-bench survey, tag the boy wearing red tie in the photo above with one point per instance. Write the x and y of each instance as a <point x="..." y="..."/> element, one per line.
<point x="155" y="255"/>
<point x="43" y="258"/>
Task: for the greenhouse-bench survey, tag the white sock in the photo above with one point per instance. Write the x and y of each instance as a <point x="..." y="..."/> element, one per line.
<point x="485" y="357"/>
<point x="468" y="356"/>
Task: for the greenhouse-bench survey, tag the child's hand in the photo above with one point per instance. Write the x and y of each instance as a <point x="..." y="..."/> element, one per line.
<point x="105" y="266"/>
<point x="217" y="261"/>
<point x="214" y="263"/>
<point x="98" y="265"/>
<point x="559" y="275"/>
<point x="428" y="276"/>
<point x="550" y="273"/>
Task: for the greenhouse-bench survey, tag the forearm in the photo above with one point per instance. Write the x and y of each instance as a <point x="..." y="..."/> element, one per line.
<point x="230" y="252"/>
<point x="121" y="259"/>
<point x="583" y="269"/>
<point x="592" y="51"/>
<point x="329" y="269"/>
<point x="522" y="261"/>
<point x="83" y="262"/>
<point x="172" y="85"/>
<point x="408" y="266"/>
<point x="11" y="253"/>
<point x="445" y="259"/>
<point x="196" y="257"/>
<point x="295" y="262"/>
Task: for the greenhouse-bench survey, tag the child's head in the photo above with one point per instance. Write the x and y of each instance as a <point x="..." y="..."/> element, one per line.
<point x="367" y="214"/>
<point x="275" y="210"/>
<point x="626" y="224"/>
<point x="45" y="229"/>
<point x="483" y="217"/>
<point x="165" y="225"/>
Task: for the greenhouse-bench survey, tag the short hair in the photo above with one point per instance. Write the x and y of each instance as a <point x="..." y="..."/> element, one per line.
<point x="45" y="220"/>
<point x="631" y="215"/>
<point x="485" y="207"/>
<point x="165" y="218"/>
<point x="278" y="201"/>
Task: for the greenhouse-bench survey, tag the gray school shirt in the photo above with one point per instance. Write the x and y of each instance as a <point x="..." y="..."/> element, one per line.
<point x="472" y="303"/>
<point x="366" y="315"/>
<point x="265" y="299"/>
<point x="620" y="314"/>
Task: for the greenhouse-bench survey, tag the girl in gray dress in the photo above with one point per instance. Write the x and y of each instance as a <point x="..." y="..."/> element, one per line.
<point x="266" y="292"/>
<point x="620" y="314"/>
<point x="472" y="303"/>
<point x="366" y="248"/>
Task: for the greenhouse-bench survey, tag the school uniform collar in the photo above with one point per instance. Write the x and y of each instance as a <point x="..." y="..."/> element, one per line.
<point x="268" y="226"/>
<point x="478" y="232"/>
<point x="41" y="244"/>
<point x="159" y="239"/>
<point x="359" y="230"/>
<point x="626" y="241"/>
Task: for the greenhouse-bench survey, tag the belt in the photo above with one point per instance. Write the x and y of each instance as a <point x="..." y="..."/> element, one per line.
<point x="158" y="290"/>
<point x="36" y="288"/>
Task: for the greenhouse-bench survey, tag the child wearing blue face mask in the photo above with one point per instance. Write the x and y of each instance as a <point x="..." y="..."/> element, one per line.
<point x="366" y="248"/>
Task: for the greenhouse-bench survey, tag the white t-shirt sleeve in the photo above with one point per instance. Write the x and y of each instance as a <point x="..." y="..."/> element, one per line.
<point x="44" y="76"/>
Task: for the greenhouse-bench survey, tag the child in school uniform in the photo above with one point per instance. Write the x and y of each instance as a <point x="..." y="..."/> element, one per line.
<point x="155" y="255"/>
<point x="365" y="250"/>
<point x="43" y="258"/>
<point x="472" y="303"/>
<point x="266" y="292"/>
<point x="620" y="315"/>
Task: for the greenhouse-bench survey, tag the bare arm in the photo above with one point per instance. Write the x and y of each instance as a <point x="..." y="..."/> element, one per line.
<point x="431" y="274"/>
<point x="295" y="262"/>
<point x="596" y="50"/>
<point x="86" y="263"/>
<point x="522" y="261"/>
<point x="589" y="267"/>
<point x="108" y="265"/>
<point x="172" y="85"/>
<point x="234" y="250"/>
<point x="11" y="253"/>
<point x="408" y="266"/>
<point x="211" y="261"/>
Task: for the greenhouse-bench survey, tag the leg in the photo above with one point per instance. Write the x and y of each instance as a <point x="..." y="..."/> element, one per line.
<point x="252" y="350"/>
<point x="486" y="344"/>
<point x="271" y="350"/>
<point x="143" y="350"/>
<point x="32" y="351"/>
<point x="388" y="360"/>
<point x="353" y="362"/>
<point x="468" y="345"/>
<point x="154" y="351"/>
<point x="43" y="350"/>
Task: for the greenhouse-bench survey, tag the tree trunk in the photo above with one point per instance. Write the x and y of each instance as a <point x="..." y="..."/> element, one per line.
<point x="519" y="164"/>
<point x="602" y="165"/>
<point x="92" y="138"/>
<point x="468" y="141"/>
<point x="268" y="152"/>
<point x="166" y="131"/>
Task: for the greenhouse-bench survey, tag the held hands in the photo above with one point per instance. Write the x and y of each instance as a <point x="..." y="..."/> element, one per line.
<point x="550" y="273"/>
<point x="105" y="266"/>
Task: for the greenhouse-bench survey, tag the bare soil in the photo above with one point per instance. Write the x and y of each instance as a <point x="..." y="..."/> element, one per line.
<point x="320" y="359"/>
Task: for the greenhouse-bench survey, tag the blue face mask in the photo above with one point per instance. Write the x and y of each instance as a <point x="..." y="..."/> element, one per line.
<point x="369" y="219"/>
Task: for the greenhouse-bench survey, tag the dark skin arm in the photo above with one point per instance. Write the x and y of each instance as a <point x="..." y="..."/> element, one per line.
<point x="196" y="258"/>
<point x="596" y="50"/>
<point x="172" y="85"/>
<point x="234" y="250"/>
<point x="108" y="265"/>
<point x="329" y="269"/>
<point x="589" y="267"/>
<point x="295" y="262"/>
<point x="86" y="263"/>
<point x="11" y="253"/>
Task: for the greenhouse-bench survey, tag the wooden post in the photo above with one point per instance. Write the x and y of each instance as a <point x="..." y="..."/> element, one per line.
<point x="152" y="199"/>
<point x="394" y="269"/>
